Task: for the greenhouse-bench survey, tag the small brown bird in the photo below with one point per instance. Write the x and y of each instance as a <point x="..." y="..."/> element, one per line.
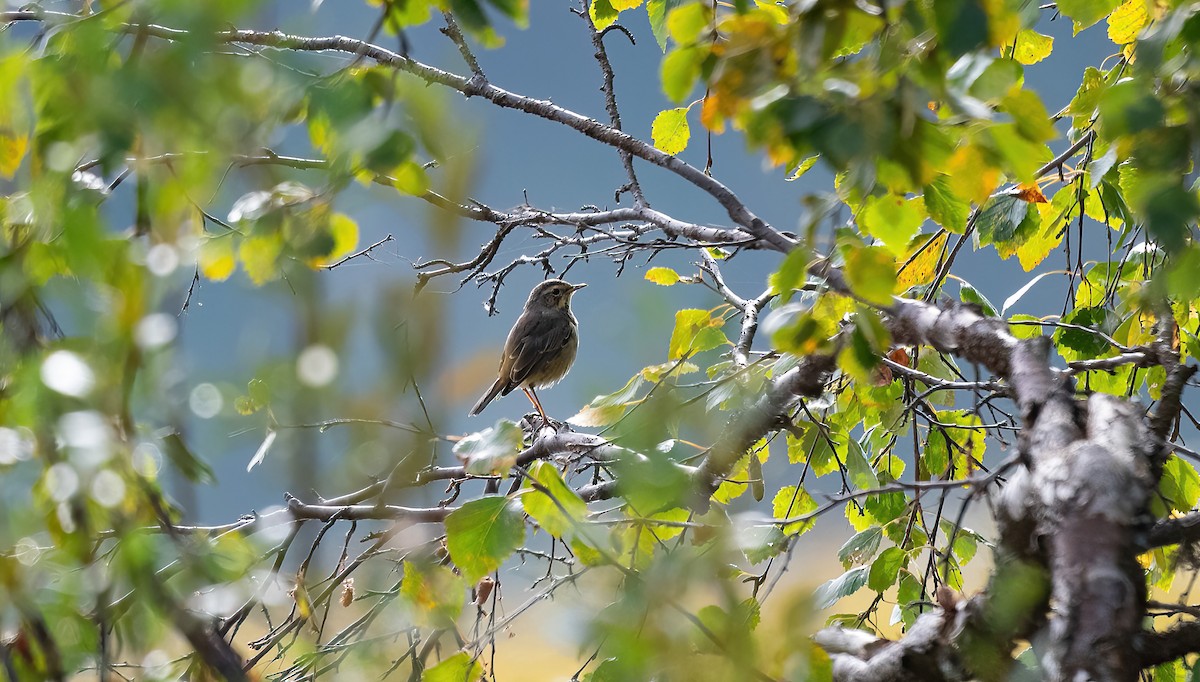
<point x="541" y="346"/>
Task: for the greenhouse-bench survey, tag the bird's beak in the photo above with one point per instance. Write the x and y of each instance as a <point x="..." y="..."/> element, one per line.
<point x="577" y="287"/>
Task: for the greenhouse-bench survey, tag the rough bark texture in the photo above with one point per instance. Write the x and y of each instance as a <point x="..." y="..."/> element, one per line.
<point x="1076" y="513"/>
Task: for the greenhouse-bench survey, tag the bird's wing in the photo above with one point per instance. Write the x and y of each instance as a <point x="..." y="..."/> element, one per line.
<point x="545" y="336"/>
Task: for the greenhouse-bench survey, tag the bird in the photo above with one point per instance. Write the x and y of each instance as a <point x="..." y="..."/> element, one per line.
<point x="541" y="346"/>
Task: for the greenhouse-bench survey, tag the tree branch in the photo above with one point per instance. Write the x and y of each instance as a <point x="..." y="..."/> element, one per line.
<point x="738" y="212"/>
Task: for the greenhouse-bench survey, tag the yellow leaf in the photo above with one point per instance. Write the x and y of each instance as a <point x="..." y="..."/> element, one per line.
<point x="622" y="5"/>
<point x="344" y="231"/>
<point x="1047" y="238"/>
<point x="12" y="150"/>
<point x="662" y="276"/>
<point x="711" y="116"/>
<point x="1127" y="21"/>
<point x="321" y="133"/>
<point x="216" y="259"/>
<point x="970" y="175"/>
<point x="410" y="178"/>
<point x="921" y="261"/>
<point x="14" y="128"/>
<point x="779" y="14"/>
<point x="1032" y="47"/>
<point x="670" y="130"/>
<point x="260" y="255"/>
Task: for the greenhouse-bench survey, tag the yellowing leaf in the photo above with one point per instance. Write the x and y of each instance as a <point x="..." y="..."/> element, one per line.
<point x="410" y="178"/>
<point x="871" y="273"/>
<point x="1127" y="21"/>
<point x="670" y="130"/>
<point x="662" y="276"/>
<point x="12" y="150"/>
<point x="345" y="235"/>
<point x="685" y="23"/>
<point x="790" y="502"/>
<point x="921" y="261"/>
<point x="216" y="259"/>
<point x="260" y="257"/>
<point x="344" y="231"/>
<point x="597" y="415"/>
<point x="971" y="176"/>
<point x="622" y="5"/>
<point x="779" y="14"/>
<point x="803" y="167"/>
<point x="893" y="219"/>
<point x="1047" y="238"/>
<point x="695" y="331"/>
<point x="458" y="668"/>
<point x="603" y="13"/>
<point x="1032" y="47"/>
<point x="14" y="133"/>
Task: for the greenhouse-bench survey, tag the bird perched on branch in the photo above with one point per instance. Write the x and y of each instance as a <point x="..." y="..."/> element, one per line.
<point x="541" y="346"/>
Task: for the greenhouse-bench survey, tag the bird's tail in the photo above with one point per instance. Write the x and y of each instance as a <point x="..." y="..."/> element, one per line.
<point x="488" y="397"/>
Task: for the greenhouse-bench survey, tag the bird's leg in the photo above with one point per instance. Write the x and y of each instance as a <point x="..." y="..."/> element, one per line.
<point x="538" y="404"/>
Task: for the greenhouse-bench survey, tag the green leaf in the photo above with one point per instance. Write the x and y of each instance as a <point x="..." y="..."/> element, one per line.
<point x="1032" y="47"/>
<point x="685" y="23"/>
<point x="759" y="543"/>
<point x="1086" y="100"/>
<point x="1180" y="484"/>
<point x="814" y="448"/>
<point x="871" y="273"/>
<point x="962" y="25"/>
<point x="792" y="273"/>
<point x="886" y="569"/>
<point x="842" y="586"/>
<point x="557" y="509"/>
<point x="695" y="331"/>
<point x="670" y="130"/>
<point x="657" y="11"/>
<point x="792" y="501"/>
<point x="493" y="451"/>
<point x="861" y="547"/>
<point x="969" y="294"/>
<point x="858" y="469"/>
<point x="801" y="168"/>
<point x="908" y="596"/>
<point x="1084" y="13"/>
<point x="945" y="207"/>
<point x="603" y="14"/>
<point x="191" y="466"/>
<point x="1167" y="208"/>
<point x="1085" y="343"/>
<point x="1004" y="218"/>
<point x="1128" y="107"/>
<point x="482" y="533"/>
<point x="893" y="219"/>
<point x="662" y="276"/>
<point x="458" y="668"/>
<point x="435" y="592"/>
<point x="680" y="69"/>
